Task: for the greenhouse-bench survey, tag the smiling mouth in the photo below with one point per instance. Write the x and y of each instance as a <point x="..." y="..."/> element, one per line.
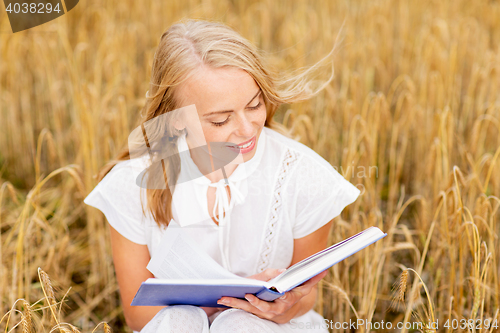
<point x="246" y="145"/>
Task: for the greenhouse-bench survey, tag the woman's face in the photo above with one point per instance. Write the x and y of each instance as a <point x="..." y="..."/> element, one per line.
<point x="230" y="108"/>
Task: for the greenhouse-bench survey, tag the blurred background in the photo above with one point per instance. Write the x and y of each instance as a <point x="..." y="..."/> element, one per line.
<point x="412" y="118"/>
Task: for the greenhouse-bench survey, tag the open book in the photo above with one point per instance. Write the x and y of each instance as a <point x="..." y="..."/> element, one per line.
<point x="186" y="275"/>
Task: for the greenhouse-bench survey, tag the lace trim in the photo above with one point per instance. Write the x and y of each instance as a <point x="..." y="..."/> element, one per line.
<point x="289" y="161"/>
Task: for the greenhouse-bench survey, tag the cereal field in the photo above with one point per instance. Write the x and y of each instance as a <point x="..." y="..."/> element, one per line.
<point x="412" y="117"/>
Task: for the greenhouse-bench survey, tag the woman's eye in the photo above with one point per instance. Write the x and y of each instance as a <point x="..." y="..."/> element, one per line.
<point x="227" y="119"/>
<point x="221" y="123"/>
<point x="255" y="107"/>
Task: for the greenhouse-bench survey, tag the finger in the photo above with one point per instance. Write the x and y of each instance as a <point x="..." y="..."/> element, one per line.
<point x="275" y="308"/>
<point x="258" y="303"/>
<point x="234" y="302"/>
<point x="288" y="298"/>
<point x="229" y="301"/>
<point x="243" y="305"/>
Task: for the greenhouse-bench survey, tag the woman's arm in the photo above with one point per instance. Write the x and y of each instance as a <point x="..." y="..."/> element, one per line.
<point x="130" y="260"/>
<point x="299" y="300"/>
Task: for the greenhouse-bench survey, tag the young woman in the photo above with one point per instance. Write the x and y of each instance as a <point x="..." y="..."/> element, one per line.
<point x="272" y="209"/>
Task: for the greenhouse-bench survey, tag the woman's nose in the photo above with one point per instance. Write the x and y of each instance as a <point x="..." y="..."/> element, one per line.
<point x="245" y="127"/>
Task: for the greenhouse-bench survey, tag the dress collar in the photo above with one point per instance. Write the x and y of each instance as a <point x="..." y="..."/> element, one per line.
<point x="222" y="207"/>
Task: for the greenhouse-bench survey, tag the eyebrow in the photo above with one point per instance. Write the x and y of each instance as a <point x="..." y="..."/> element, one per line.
<point x="227" y="111"/>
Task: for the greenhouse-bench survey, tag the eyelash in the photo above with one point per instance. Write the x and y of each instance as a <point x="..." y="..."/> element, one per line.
<point x="225" y="121"/>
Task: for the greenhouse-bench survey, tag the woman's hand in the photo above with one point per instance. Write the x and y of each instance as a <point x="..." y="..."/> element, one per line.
<point x="266" y="275"/>
<point x="283" y="309"/>
<point x="297" y="301"/>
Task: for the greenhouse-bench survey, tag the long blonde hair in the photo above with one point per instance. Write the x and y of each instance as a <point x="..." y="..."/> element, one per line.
<point x="182" y="48"/>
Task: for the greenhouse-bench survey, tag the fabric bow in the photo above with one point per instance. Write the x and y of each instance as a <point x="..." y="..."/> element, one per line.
<point x="222" y="205"/>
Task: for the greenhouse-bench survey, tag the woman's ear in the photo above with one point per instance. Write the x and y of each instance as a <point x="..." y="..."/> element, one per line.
<point x="178" y="125"/>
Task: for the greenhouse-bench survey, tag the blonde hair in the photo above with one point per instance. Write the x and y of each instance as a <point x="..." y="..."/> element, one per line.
<point x="182" y="49"/>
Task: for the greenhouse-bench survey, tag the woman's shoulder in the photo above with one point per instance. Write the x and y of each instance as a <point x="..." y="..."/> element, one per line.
<point x="121" y="179"/>
<point x="126" y="171"/>
<point x="132" y="164"/>
<point x="117" y="195"/>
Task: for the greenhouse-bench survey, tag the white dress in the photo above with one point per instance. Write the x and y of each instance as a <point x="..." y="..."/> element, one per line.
<point x="286" y="191"/>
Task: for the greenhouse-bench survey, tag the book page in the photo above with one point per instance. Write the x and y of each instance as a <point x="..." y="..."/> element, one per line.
<point x="318" y="262"/>
<point x="178" y="257"/>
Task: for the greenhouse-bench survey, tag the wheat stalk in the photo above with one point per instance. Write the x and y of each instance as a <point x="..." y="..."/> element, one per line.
<point x="339" y="291"/>
<point x="48" y="291"/>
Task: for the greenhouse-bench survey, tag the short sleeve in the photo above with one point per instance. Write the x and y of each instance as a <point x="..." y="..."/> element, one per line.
<point x="321" y="193"/>
<point x="118" y="197"/>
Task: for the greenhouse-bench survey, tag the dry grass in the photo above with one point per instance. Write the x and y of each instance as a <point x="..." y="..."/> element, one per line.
<point x="415" y="98"/>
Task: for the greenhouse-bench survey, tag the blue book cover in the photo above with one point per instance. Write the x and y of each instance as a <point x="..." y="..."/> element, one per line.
<point x="206" y="292"/>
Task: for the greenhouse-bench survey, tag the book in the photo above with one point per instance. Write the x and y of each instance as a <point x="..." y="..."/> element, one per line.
<point x="178" y="282"/>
